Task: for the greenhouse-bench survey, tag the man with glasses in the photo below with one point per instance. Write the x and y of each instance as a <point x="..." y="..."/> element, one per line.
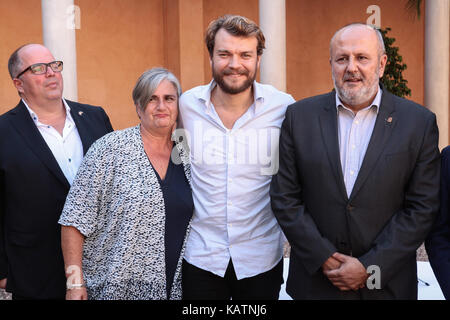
<point x="42" y="143"/>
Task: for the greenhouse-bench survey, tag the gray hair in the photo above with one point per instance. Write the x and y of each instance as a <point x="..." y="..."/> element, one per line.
<point x="147" y="84"/>
<point x="381" y="47"/>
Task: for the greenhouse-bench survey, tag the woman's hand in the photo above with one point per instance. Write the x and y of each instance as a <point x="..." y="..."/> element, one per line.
<point x="3" y="283"/>
<point x="76" y="294"/>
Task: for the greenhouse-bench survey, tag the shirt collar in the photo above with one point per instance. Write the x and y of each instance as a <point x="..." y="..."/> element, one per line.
<point x="35" y="117"/>
<point x="205" y="94"/>
<point x="376" y="101"/>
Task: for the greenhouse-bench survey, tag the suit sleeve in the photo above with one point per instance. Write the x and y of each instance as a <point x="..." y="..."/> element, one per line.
<point x="438" y="241"/>
<point x="108" y="124"/>
<point x="289" y="208"/>
<point x="408" y="228"/>
<point x="83" y="202"/>
<point x="3" y="257"/>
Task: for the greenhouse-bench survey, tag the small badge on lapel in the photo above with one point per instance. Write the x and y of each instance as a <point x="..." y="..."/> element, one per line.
<point x="389" y="121"/>
<point x="80" y="113"/>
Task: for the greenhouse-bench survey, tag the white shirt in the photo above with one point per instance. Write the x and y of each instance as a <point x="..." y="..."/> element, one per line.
<point x="68" y="148"/>
<point x="231" y="174"/>
<point x="355" y="131"/>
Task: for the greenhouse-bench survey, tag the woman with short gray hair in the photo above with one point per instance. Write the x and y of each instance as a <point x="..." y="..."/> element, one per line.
<point x="127" y="214"/>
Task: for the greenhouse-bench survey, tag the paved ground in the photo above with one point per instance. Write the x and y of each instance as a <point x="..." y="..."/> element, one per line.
<point x="4" y="295"/>
<point x="421" y="253"/>
<point x="421" y="256"/>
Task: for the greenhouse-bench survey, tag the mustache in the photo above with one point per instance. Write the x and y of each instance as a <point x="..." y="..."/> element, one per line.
<point x="241" y="72"/>
<point x="352" y="76"/>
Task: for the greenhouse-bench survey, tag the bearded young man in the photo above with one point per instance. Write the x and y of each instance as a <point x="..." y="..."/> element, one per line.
<point x="358" y="184"/>
<point x="235" y="246"/>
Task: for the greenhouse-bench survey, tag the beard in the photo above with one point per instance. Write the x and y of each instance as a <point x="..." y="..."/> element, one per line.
<point x="354" y="97"/>
<point x="230" y="88"/>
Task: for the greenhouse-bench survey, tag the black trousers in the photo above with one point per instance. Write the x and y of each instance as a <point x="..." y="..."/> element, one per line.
<point x="199" y="284"/>
<point x="16" y="297"/>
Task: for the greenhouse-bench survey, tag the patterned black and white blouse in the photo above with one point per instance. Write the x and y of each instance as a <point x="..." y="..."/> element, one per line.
<point x="116" y="202"/>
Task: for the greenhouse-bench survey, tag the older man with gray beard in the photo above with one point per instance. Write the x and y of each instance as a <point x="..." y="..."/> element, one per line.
<point x="358" y="184"/>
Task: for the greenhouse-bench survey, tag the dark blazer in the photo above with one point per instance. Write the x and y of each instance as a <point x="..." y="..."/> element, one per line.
<point x="389" y="212"/>
<point x="438" y="241"/>
<point x="33" y="190"/>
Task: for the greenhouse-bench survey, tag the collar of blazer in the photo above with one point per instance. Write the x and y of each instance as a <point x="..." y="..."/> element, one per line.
<point x="381" y="132"/>
<point x="25" y="127"/>
<point x="80" y="117"/>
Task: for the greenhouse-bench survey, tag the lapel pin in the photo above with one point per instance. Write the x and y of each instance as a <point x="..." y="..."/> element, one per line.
<point x="80" y="113"/>
<point x="389" y="120"/>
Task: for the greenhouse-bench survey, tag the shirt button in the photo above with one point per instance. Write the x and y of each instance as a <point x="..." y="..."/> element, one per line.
<point x="352" y="172"/>
<point x="357" y="122"/>
<point x="229" y="203"/>
<point x="230" y="180"/>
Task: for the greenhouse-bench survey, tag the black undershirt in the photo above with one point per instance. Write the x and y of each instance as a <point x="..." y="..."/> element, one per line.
<point x="179" y="208"/>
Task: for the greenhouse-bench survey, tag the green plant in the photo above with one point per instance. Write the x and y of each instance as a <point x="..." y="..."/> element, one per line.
<point x="393" y="79"/>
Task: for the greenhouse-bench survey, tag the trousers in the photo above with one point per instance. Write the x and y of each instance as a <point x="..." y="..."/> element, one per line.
<point x="199" y="284"/>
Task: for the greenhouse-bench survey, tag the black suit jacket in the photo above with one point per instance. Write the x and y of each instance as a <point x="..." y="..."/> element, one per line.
<point x="33" y="190"/>
<point x="391" y="207"/>
<point x="438" y="241"/>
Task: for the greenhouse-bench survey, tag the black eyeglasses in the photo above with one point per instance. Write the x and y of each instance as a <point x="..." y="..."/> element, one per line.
<point x="41" y="68"/>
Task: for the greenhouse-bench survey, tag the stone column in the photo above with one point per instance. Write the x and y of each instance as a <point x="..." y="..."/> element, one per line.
<point x="437" y="64"/>
<point x="272" y="21"/>
<point x="59" y="37"/>
<point x="184" y="46"/>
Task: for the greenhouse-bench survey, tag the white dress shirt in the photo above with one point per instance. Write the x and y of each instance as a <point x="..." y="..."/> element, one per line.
<point x="68" y="148"/>
<point x="354" y="132"/>
<point x="231" y="173"/>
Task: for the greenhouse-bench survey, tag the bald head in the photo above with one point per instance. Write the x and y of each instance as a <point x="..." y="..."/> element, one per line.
<point x="43" y="83"/>
<point x="17" y="60"/>
<point x="359" y="29"/>
<point x="357" y="63"/>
